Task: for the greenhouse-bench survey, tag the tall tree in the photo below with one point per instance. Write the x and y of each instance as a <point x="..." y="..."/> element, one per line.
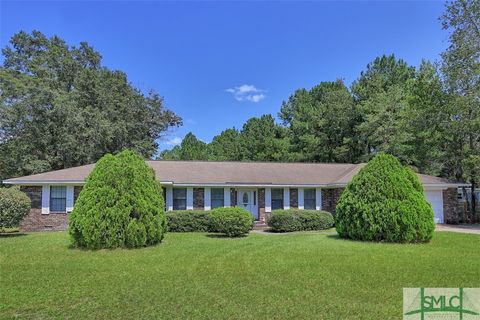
<point x="225" y="146"/>
<point x="190" y="149"/>
<point x="461" y="67"/>
<point x="59" y="107"/>
<point x="322" y="123"/>
<point x="381" y="94"/>
<point x="261" y="139"/>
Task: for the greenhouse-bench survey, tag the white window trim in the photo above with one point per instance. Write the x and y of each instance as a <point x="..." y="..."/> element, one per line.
<point x="207" y="199"/>
<point x="286" y="198"/>
<point x="169" y="200"/>
<point x="46" y="199"/>
<point x="301" y="199"/>
<point x="318" y="198"/>
<point x="226" y="197"/>
<point x="189" y="198"/>
<point x="268" y="200"/>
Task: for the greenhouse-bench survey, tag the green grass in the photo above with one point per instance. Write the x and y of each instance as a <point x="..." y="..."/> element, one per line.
<point x="301" y="275"/>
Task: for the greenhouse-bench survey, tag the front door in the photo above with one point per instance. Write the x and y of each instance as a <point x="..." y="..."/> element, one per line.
<point x="247" y="199"/>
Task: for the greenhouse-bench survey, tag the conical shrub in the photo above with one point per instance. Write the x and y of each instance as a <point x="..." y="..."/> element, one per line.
<point x="385" y="202"/>
<point x="121" y="205"/>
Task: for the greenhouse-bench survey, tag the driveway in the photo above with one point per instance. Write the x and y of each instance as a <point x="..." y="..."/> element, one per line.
<point x="462" y="228"/>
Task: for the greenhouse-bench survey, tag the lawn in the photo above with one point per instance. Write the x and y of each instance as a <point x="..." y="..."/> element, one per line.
<point x="194" y="275"/>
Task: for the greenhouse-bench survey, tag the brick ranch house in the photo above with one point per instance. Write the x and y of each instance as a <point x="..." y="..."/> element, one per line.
<point x="259" y="187"/>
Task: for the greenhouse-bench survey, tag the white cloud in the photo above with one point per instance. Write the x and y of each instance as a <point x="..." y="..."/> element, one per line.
<point x="247" y="92"/>
<point x="174" y="141"/>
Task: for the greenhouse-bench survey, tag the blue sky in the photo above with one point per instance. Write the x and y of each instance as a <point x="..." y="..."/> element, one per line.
<point x="218" y="64"/>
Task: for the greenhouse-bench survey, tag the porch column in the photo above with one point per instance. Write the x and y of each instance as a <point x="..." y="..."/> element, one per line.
<point x="268" y="200"/>
<point x="169" y="200"/>
<point x="318" y="199"/>
<point x="226" y="197"/>
<point x="189" y="198"/>
<point x="69" y="200"/>
<point x="207" y="201"/>
<point x="45" y="199"/>
<point x="301" y="199"/>
<point x="286" y="198"/>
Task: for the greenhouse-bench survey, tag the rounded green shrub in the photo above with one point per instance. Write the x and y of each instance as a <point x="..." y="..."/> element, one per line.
<point x="188" y="221"/>
<point x="385" y="202"/>
<point x="121" y="205"/>
<point x="14" y="206"/>
<point x="299" y="220"/>
<point x="233" y="222"/>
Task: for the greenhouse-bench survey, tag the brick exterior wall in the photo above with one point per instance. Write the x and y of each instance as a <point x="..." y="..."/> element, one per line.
<point x="35" y="220"/>
<point x="453" y="211"/>
<point x="330" y="198"/>
<point x="293" y="198"/>
<point x="198" y="198"/>
<point x="76" y="193"/>
<point x="261" y="204"/>
<point x="233" y="197"/>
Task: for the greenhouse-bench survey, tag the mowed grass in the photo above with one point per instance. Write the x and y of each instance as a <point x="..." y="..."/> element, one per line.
<point x="198" y="276"/>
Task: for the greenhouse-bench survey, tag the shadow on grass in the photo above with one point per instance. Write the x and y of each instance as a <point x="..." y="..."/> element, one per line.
<point x="12" y="234"/>
<point x="223" y="236"/>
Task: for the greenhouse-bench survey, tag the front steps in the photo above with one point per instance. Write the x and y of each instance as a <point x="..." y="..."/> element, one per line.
<point x="260" y="225"/>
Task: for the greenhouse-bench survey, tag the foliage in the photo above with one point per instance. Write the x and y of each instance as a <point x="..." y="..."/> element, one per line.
<point x="190" y="149"/>
<point x="14" y="206"/>
<point x="188" y="221"/>
<point x="299" y="220"/>
<point x="225" y="146"/>
<point x="233" y="222"/>
<point x="60" y="102"/>
<point x="322" y="123"/>
<point x="120" y="205"/>
<point x="385" y="202"/>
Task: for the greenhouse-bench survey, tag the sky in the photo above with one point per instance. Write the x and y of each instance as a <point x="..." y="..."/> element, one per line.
<point x="219" y="63"/>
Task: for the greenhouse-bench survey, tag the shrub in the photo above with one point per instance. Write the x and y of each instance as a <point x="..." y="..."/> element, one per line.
<point x="14" y="206"/>
<point x="188" y="221"/>
<point x="233" y="222"/>
<point x="385" y="202"/>
<point x="299" y="220"/>
<point x="121" y="205"/>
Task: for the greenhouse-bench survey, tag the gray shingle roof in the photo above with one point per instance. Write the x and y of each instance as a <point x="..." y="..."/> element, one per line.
<point x="212" y="172"/>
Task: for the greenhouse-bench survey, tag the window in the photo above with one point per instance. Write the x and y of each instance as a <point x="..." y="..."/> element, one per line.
<point x="277" y="199"/>
<point x="216" y="198"/>
<point x="58" y="199"/>
<point x="179" y="198"/>
<point x="309" y="200"/>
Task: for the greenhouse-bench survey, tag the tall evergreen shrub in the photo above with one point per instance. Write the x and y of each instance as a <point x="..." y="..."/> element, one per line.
<point x="121" y="205"/>
<point x="385" y="202"/>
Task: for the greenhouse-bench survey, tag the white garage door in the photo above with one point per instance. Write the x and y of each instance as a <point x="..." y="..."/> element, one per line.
<point x="436" y="200"/>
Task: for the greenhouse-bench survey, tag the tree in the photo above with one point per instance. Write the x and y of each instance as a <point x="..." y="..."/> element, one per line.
<point x="121" y="205"/>
<point x="261" y="139"/>
<point x="385" y="202"/>
<point x="380" y="92"/>
<point x="322" y="123"/>
<point x="59" y="107"/>
<point x="225" y="146"/>
<point x="461" y="67"/>
<point x="14" y="206"/>
<point x="190" y="149"/>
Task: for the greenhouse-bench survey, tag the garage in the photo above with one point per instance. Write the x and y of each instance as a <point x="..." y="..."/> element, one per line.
<point x="436" y="200"/>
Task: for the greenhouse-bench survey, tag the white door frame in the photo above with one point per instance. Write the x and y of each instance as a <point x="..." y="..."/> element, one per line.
<point x="252" y="205"/>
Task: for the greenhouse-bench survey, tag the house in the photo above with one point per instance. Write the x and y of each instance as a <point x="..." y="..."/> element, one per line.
<point x="259" y="187"/>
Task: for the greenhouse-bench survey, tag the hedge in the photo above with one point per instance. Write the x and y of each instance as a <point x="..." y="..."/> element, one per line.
<point x="121" y="205"/>
<point x="189" y="221"/>
<point x="385" y="202"/>
<point x="299" y="220"/>
<point x="14" y="206"/>
<point x="233" y="222"/>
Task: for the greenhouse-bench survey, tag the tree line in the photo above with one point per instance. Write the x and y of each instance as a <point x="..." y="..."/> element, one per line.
<point x="428" y="117"/>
